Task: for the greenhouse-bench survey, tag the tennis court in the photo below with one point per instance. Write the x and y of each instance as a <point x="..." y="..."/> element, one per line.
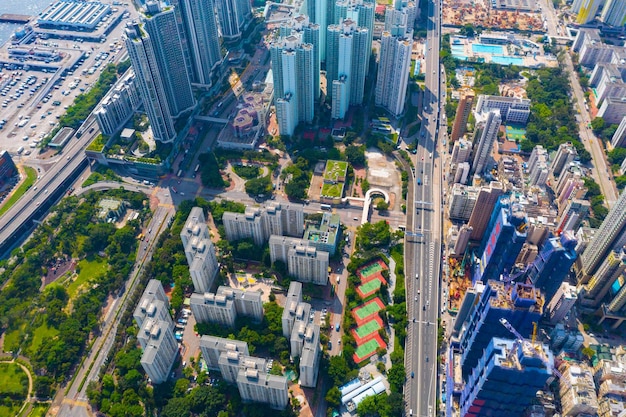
<point x="367" y="331"/>
<point x="368" y="349"/>
<point x="369" y="288"/>
<point x="515" y="133"/>
<point x="364" y="312"/>
<point x="371" y="270"/>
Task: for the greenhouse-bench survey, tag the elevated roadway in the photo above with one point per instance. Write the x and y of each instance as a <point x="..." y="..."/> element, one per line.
<point x="423" y="240"/>
<point x="19" y="220"/>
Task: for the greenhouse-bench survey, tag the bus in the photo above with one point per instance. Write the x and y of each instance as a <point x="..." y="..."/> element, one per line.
<point x="325" y="206"/>
<point x="180" y="173"/>
<point x="197" y="168"/>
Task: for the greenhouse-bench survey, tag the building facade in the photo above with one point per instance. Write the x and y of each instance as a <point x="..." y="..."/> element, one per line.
<point x="393" y="71"/>
<point x="484" y="139"/>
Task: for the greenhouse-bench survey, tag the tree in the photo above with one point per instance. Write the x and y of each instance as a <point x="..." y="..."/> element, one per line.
<point x="177" y="407"/>
<point x="338" y="369"/>
<point x="355" y="155"/>
<point x="382" y="205"/>
<point x="373" y="235"/>
<point x="259" y="186"/>
<point x="588" y="352"/>
<point x="207" y="400"/>
<point x="396" y="377"/>
<point x="597" y="125"/>
<point x="333" y="397"/>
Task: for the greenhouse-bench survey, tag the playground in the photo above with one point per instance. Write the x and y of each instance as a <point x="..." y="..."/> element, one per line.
<point x="514" y="133"/>
<point x="365" y="312"/>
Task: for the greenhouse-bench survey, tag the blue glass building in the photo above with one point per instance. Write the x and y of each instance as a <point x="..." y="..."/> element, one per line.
<point x="553" y="263"/>
<point x="520" y="304"/>
<point x="503" y="241"/>
<point x="506" y="379"/>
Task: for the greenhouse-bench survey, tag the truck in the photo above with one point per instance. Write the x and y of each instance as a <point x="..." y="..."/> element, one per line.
<point x="419" y="181"/>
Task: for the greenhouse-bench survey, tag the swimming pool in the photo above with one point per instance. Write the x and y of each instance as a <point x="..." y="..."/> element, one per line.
<point x="507" y="60"/>
<point x="480" y="48"/>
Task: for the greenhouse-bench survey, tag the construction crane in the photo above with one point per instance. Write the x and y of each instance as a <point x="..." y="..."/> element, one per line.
<point x="508" y="278"/>
<point x="530" y="347"/>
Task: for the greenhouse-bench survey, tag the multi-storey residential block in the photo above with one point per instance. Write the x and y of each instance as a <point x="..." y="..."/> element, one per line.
<point x="619" y="137"/>
<point x="310" y="356"/>
<point x="611" y="235"/>
<point x="485" y="202"/>
<point x="159" y="352"/>
<point x="607" y="273"/>
<point x="233" y="16"/>
<point x="512" y="109"/>
<point x="577" y="390"/>
<point x="462" y="201"/>
<point x="296" y="67"/>
<point x="159" y="23"/>
<point x="304" y="262"/>
<point x="260" y="223"/>
<point x="484" y="140"/>
<point x="152" y="304"/>
<point x="150" y="82"/>
<point x="119" y="105"/>
<point x="566" y="154"/>
<point x="294" y="298"/>
<point x="561" y="303"/>
<point x="347" y="57"/>
<point x="393" y="71"/>
<point x="212" y="347"/>
<point x="201" y="38"/>
<point x="226" y="305"/>
<point x="553" y="264"/>
<point x="462" y="114"/>
<point x="614" y="13"/>
<point x="199" y="250"/>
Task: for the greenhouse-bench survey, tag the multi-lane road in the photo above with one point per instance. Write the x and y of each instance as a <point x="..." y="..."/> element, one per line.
<point x="423" y="240"/>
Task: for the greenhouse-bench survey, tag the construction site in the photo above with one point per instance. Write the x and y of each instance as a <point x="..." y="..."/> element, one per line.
<point x="486" y="15"/>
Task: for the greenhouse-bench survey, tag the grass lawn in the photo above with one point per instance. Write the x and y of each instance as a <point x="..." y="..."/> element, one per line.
<point x="38" y="410"/>
<point x="12" y="339"/>
<point x="332" y="190"/>
<point x="335" y="170"/>
<point x="88" y="270"/>
<point x="39" y="334"/>
<point x="11" y="377"/>
<point x="9" y="411"/>
<point x="31" y="176"/>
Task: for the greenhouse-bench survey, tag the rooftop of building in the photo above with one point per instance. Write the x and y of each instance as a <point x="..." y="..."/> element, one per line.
<point x="506" y="295"/>
<point x="325" y="232"/>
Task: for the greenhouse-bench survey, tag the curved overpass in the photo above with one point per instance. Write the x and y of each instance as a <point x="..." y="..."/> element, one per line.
<point x="368" y="202"/>
<point x="108" y="185"/>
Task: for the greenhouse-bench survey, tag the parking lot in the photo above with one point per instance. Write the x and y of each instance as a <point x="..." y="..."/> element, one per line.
<point x="32" y="101"/>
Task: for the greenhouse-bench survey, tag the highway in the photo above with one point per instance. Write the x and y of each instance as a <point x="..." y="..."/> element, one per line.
<point x="423" y="241"/>
<point x="17" y="222"/>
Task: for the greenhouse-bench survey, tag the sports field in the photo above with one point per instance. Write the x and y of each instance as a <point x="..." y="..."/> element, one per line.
<point x="515" y="133"/>
<point x="368" y="348"/>
<point x="365" y="311"/>
<point x="367" y="330"/>
<point x="369" y="288"/>
<point x="370" y="269"/>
